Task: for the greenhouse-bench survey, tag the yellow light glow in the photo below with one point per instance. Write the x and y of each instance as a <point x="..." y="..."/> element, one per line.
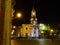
<point x="52" y="30"/>
<point x="19" y="15"/>
<point x="42" y="31"/>
<point x="14" y="26"/>
<point x="31" y="19"/>
<point x="33" y="13"/>
<point x="12" y="32"/>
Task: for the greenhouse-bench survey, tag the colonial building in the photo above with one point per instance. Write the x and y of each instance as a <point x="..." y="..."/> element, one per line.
<point x="25" y="30"/>
<point x="30" y="30"/>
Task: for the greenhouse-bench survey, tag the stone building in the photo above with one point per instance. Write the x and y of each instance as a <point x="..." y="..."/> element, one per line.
<point x="30" y="30"/>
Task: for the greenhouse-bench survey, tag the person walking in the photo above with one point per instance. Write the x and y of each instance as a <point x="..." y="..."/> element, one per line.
<point x="52" y="37"/>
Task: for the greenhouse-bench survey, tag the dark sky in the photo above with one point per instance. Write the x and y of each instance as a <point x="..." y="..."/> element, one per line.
<point x="46" y="11"/>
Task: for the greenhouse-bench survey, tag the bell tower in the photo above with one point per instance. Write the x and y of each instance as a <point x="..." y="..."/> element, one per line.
<point x="33" y="19"/>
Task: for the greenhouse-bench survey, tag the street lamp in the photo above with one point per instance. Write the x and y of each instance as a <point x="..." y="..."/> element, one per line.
<point x="52" y="30"/>
<point x="18" y="15"/>
<point x="14" y="27"/>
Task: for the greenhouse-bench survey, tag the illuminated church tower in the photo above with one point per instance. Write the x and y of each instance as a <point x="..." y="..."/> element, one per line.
<point x="33" y="21"/>
<point x="33" y="17"/>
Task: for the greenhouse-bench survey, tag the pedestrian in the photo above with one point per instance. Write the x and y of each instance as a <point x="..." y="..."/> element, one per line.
<point x="52" y="37"/>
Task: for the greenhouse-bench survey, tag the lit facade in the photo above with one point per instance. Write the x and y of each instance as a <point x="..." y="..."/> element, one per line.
<point x="30" y="30"/>
<point x="33" y="20"/>
<point x="34" y="29"/>
<point x="25" y="30"/>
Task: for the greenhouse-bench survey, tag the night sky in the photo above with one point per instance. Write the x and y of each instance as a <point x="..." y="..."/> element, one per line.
<point x="46" y="11"/>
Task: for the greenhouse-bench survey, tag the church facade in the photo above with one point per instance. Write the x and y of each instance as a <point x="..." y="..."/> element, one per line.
<point x="32" y="29"/>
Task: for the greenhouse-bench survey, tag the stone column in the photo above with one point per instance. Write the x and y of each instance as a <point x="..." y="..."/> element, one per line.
<point x="1" y="20"/>
<point x="7" y="23"/>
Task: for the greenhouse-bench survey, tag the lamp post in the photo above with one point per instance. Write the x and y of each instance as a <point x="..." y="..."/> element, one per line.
<point x="18" y="17"/>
